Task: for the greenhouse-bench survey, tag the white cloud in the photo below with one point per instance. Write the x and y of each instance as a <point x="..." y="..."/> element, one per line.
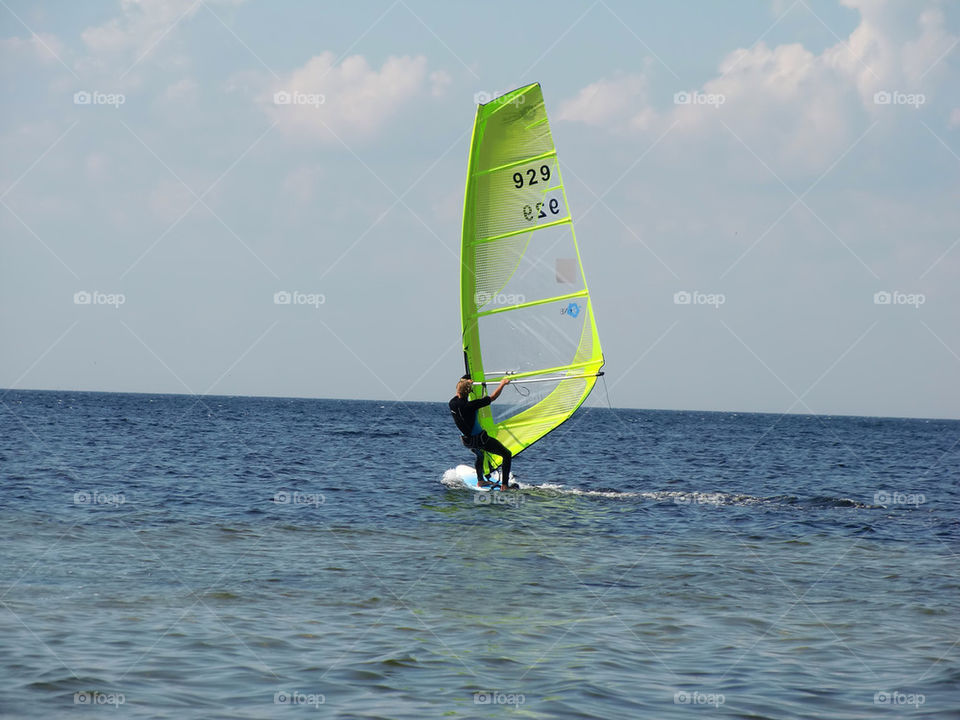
<point x="140" y="26"/>
<point x="351" y="100"/>
<point x="182" y="91"/>
<point x="301" y="184"/>
<point x="96" y="166"/>
<point x="169" y="199"/>
<point x="439" y="82"/>
<point x="895" y="46"/>
<point x="955" y="117"/>
<point x="43" y="47"/>
<point x="620" y="104"/>
<point x="793" y="107"/>
<point x="785" y="102"/>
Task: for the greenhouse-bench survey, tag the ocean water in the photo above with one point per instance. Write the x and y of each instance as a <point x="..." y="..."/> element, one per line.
<point x="181" y="557"/>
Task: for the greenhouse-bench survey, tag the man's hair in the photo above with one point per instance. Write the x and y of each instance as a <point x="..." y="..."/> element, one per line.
<point x="464" y="385"/>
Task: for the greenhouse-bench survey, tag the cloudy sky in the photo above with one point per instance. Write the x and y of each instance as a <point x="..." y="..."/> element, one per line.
<point x="766" y="195"/>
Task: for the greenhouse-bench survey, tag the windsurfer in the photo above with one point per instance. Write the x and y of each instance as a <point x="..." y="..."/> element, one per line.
<point x="464" y="413"/>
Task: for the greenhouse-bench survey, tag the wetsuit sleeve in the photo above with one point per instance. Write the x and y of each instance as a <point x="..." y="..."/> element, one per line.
<point x="478" y="403"/>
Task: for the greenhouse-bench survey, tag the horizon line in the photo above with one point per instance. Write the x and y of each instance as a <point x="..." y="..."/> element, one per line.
<point x="5" y="391"/>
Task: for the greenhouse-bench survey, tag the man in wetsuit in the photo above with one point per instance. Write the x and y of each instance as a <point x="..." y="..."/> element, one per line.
<point x="464" y="413"/>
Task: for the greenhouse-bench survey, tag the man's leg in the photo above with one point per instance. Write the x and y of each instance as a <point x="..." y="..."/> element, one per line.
<point x="479" y="466"/>
<point x="494" y="446"/>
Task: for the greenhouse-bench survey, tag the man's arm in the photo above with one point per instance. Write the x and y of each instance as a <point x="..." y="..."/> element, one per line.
<point x="496" y="393"/>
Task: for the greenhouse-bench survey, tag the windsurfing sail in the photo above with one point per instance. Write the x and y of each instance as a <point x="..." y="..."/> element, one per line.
<point x="525" y="308"/>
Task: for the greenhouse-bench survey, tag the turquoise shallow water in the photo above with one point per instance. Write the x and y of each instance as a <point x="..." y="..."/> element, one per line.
<point x="165" y="556"/>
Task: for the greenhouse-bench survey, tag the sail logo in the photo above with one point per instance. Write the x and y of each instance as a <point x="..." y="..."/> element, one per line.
<point x="572" y="310"/>
<point x="696" y="297"/>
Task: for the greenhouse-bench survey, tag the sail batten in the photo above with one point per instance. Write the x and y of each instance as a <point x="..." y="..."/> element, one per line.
<point x="525" y="306"/>
<point x="519" y="306"/>
<point x="515" y="163"/>
<point x="501" y="236"/>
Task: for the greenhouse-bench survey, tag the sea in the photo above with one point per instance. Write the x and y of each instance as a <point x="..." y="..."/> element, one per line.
<point x="167" y="556"/>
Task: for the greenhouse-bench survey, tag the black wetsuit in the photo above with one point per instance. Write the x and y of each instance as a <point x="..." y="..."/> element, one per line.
<point x="474" y="437"/>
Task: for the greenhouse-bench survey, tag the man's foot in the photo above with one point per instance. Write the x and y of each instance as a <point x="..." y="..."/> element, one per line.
<point x="485" y="482"/>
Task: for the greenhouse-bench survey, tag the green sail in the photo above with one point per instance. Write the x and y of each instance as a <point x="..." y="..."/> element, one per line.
<point x="524" y="304"/>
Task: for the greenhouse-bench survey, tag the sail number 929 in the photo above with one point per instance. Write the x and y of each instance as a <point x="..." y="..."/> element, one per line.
<point x="530" y="176"/>
<point x="539" y="211"/>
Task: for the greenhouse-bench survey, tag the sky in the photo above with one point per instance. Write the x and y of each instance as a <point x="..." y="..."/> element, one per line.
<point x="766" y="195"/>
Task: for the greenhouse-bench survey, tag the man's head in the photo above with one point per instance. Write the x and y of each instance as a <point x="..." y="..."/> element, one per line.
<point x="464" y="386"/>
